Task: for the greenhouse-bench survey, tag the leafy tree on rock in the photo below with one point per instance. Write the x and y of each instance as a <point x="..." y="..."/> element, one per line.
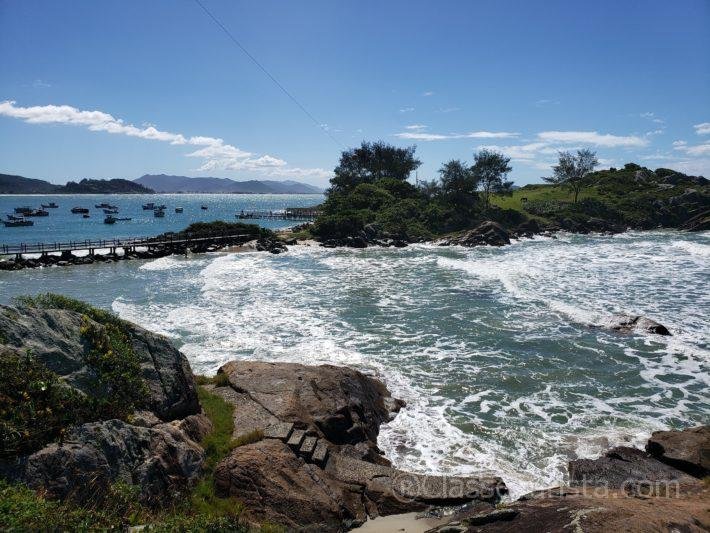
<point x="572" y="169"/>
<point x="490" y="169"/>
<point x="370" y="163"/>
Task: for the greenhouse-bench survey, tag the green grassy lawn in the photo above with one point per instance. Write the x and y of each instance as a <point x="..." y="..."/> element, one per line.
<point x="540" y="192"/>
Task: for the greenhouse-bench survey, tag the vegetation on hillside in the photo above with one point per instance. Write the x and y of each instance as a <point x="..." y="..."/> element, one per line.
<point x="221" y="227"/>
<point x="371" y="192"/>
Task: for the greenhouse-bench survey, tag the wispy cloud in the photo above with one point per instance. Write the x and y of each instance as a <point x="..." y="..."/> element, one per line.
<point x="654" y="132"/>
<point x="39" y="84"/>
<point x="419" y="135"/>
<point x="546" y="101"/>
<point x="449" y="109"/>
<point x="695" y="150"/>
<point x="428" y="93"/>
<point x="702" y="128"/>
<point x="415" y="127"/>
<point x="592" y="137"/>
<point x="406" y="110"/>
<point x="648" y="115"/>
<point x="214" y="152"/>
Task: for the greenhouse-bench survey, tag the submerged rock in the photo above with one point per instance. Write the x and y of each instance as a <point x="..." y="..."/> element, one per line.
<point x="631" y="323"/>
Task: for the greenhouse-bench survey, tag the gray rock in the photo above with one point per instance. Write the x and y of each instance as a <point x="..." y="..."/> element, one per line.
<point x="631" y="323"/>
<point x="487" y="233"/>
<point x="54" y="338"/>
<point x="624" y="467"/>
<point x="160" y="460"/>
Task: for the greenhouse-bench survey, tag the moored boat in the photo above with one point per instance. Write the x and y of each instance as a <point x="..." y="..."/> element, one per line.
<point x="22" y="210"/>
<point x="110" y="211"/>
<point x="18" y="223"/>
<point x="159" y="213"/>
<point x="81" y="210"/>
<point x="110" y="220"/>
<point x="37" y="213"/>
<point x="50" y="205"/>
<point x="204" y="208"/>
<point x="149" y="206"/>
<point x="178" y="209"/>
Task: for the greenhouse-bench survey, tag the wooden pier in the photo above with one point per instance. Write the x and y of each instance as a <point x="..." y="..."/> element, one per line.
<point x="304" y="214"/>
<point x="170" y="241"/>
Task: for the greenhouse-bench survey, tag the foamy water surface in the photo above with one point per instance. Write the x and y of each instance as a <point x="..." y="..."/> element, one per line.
<point x="495" y="350"/>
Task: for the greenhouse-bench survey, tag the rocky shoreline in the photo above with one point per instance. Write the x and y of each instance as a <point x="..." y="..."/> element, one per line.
<point x="309" y="459"/>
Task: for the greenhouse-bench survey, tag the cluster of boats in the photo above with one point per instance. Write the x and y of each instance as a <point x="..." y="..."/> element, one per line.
<point x="22" y="215"/>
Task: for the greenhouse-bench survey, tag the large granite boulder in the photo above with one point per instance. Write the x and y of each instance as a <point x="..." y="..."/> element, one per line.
<point x="161" y="461"/>
<point x="635" y="323"/>
<point x="276" y="485"/>
<point x="317" y="466"/>
<point x="337" y="403"/>
<point x="687" y="450"/>
<point x="155" y="448"/>
<point x="54" y="338"/>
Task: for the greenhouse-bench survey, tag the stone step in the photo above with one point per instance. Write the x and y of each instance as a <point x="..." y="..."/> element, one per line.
<point x="296" y="439"/>
<point x="320" y="454"/>
<point x="280" y="430"/>
<point x="307" y="448"/>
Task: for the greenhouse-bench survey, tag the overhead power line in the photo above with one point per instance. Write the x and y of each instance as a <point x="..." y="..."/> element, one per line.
<point x="265" y="71"/>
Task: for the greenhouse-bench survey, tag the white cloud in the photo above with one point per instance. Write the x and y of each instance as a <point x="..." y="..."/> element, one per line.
<point x="654" y="132"/>
<point x="693" y="150"/>
<point x="702" y="128"/>
<point x="215" y="153"/>
<point x="406" y="110"/>
<point x="421" y="136"/>
<point x="39" y="84"/>
<point x="449" y="109"/>
<point x="428" y="93"/>
<point x="652" y="117"/>
<point x="546" y="101"/>
<point x="592" y="137"/>
<point x="415" y="127"/>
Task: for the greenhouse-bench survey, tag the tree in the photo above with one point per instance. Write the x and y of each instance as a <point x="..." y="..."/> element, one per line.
<point x="572" y="169"/>
<point x="372" y="162"/>
<point x="490" y="169"/>
<point x="459" y="185"/>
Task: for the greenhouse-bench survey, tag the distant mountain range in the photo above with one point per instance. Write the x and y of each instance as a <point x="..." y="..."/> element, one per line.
<point x="177" y="184"/>
<point x="160" y="183"/>
<point x="10" y="184"/>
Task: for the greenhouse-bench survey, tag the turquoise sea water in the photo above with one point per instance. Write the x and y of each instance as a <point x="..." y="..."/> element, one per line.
<point x="495" y="350"/>
<point x="62" y="225"/>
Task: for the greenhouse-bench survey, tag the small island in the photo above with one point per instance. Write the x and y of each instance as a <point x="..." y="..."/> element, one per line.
<point x="10" y="184"/>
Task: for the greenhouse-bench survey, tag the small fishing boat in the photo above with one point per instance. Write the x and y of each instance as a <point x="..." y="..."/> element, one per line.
<point x="178" y="210"/>
<point x="110" y="220"/>
<point x="18" y="223"/>
<point x="159" y="213"/>
<point x="102" y="205"/>
<point x="79" y="210"/>
<point x="22" y="210"/>
<point x="110" y="211"/>
<point x="86" y="215"/>
<point x="50" y="205"/>
<point x="204" y="208"/>
<point x="14" y="217"/>
<point x="149" y="206"/>
<point x="37" y="213"/>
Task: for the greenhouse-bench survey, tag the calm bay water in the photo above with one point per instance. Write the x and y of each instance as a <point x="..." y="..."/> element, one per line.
<point x="62" y="225"/>
<point x="494" y="349"/>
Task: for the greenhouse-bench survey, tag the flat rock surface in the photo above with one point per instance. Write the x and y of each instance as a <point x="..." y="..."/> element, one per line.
<point x="687" y="450"/>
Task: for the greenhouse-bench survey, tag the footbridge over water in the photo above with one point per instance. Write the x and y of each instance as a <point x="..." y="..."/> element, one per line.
<point x="169" y="242"/>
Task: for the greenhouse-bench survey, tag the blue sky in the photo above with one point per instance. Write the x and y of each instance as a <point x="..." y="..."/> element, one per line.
<point x="122" y="88"/>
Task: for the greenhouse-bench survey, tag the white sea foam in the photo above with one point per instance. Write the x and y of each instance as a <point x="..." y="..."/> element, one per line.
<point x="490" y="347"/>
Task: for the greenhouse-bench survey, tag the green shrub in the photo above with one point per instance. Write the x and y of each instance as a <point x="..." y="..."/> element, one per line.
<point x="35" y="405"/>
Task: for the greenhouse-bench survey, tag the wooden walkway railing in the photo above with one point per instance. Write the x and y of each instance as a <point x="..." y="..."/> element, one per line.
<point x="128" y="242"/>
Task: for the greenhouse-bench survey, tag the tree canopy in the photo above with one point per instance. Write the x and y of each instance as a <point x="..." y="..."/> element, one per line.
<point x="572" y="169"/>
<point x="490" y="169"/>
